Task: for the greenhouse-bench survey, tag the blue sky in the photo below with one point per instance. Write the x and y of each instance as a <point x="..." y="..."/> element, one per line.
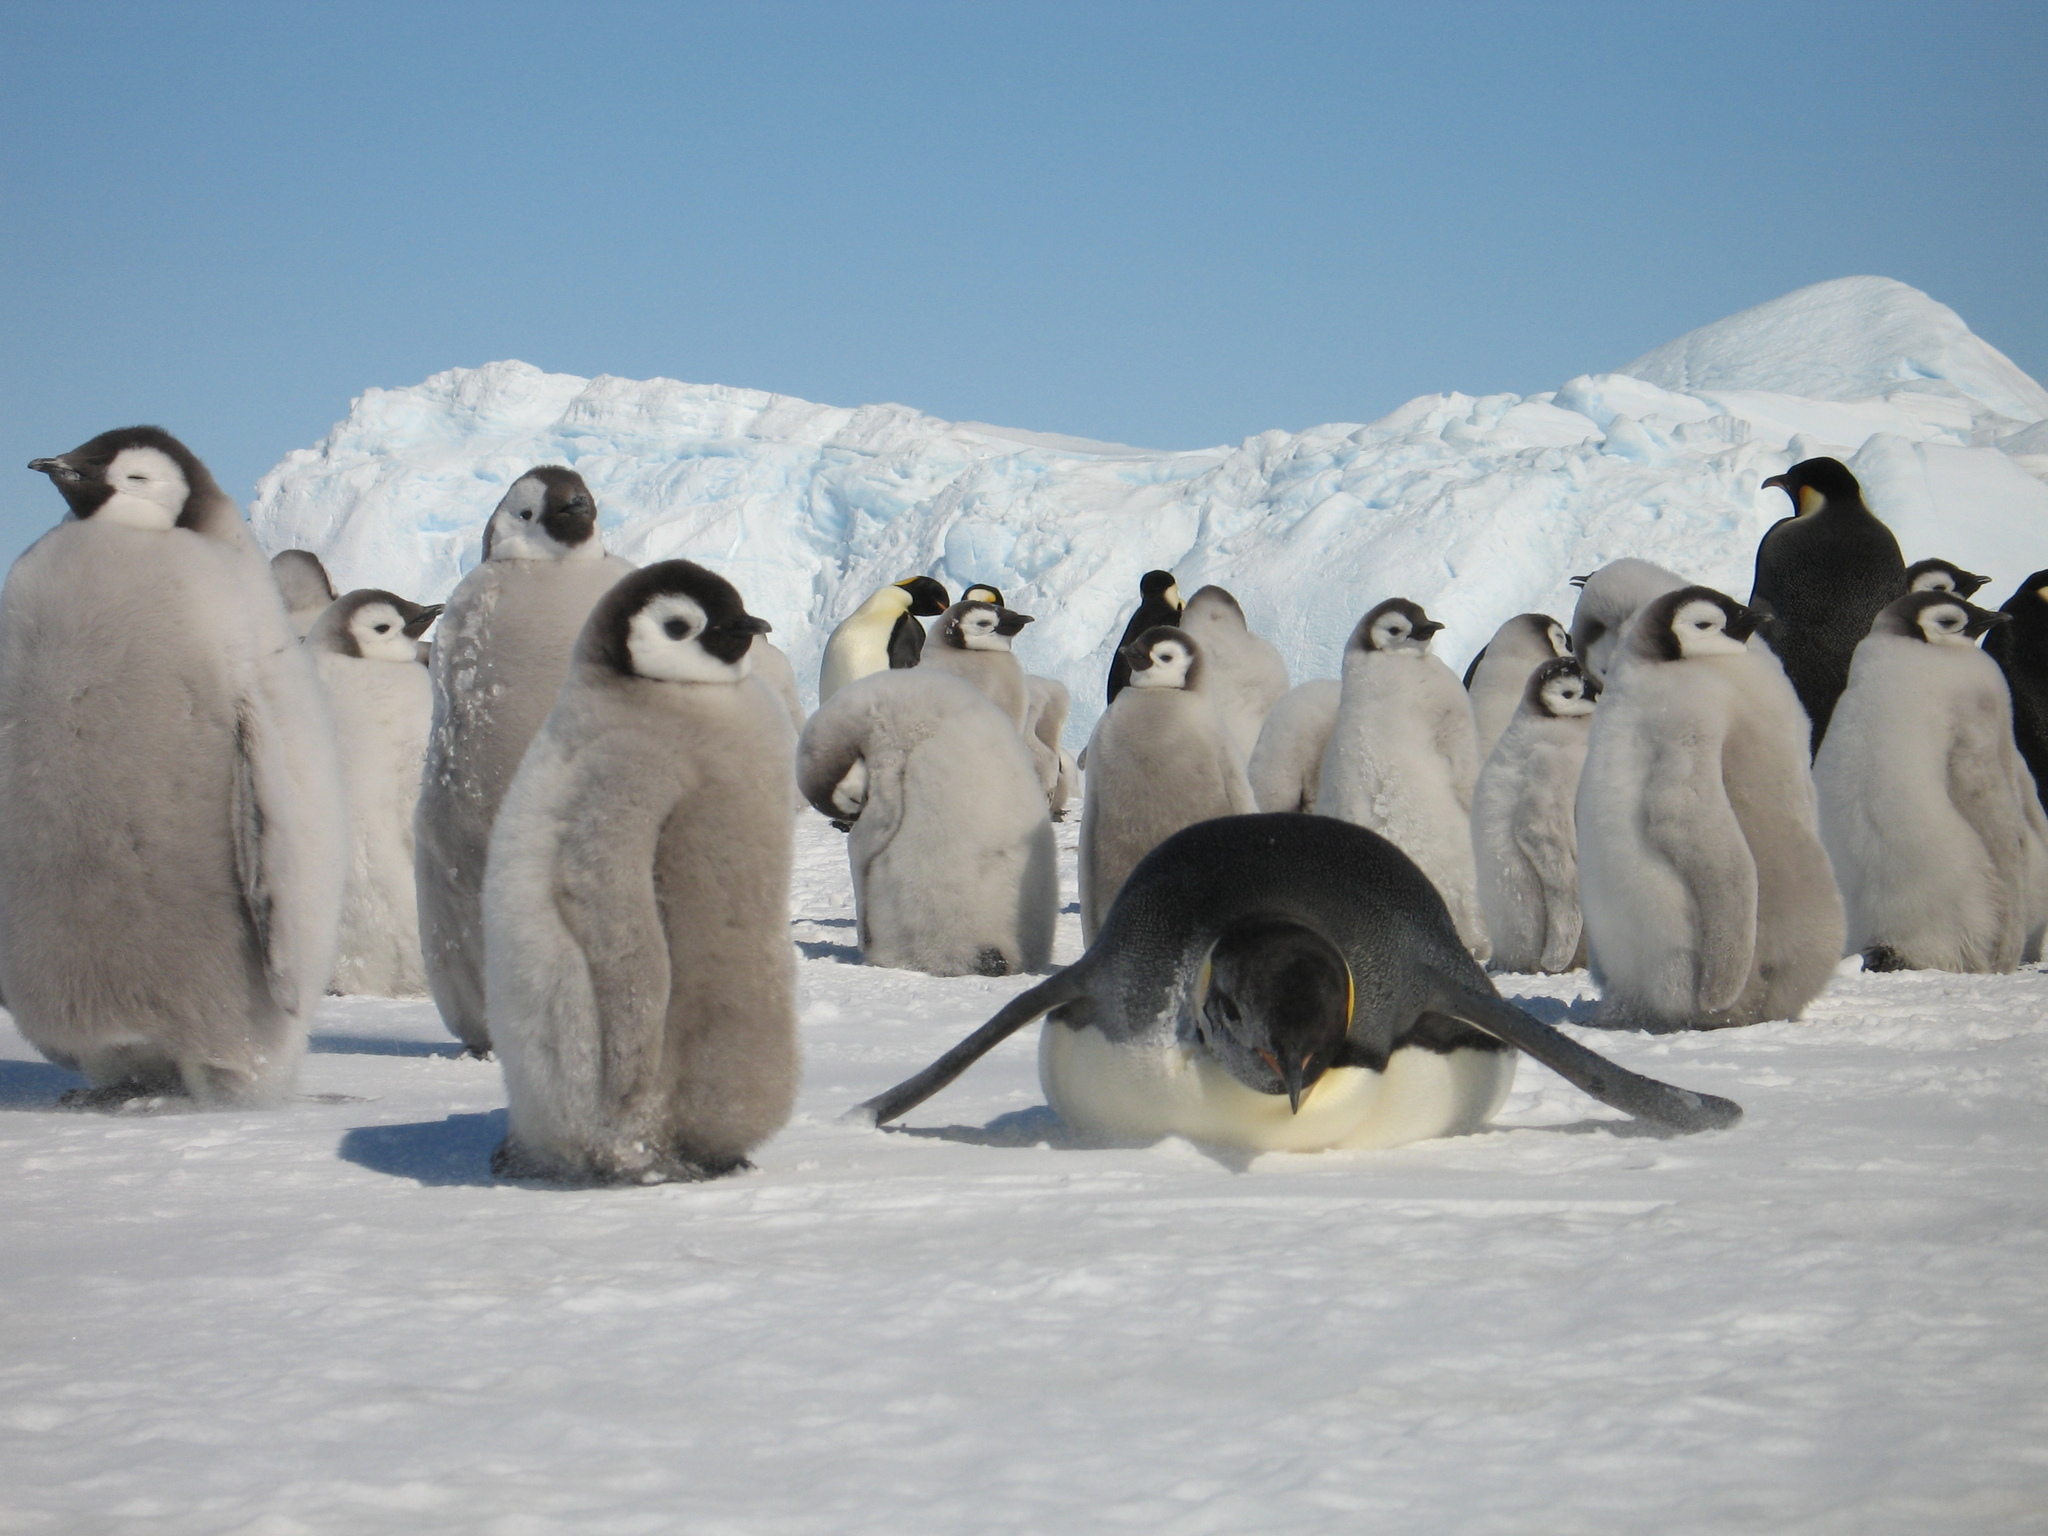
<point x="1170" y="225"/>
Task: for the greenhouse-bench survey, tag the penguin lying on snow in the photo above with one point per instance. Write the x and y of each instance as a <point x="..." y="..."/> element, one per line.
<point x="1278" y="982"/>
<point x="882" y="633"/>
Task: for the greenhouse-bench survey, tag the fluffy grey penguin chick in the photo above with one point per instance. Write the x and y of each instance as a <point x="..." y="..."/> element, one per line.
<point x="365" y="649"/>
<point x="1244" y="673"/>
<point x="772" y="670"/>
<point x="1498" y="678"/>
<point x="500" y="655"/>
<point x="172" y="850"/>
<point x="954" y="871"/>
<point x="1045" y="721"/>
<point x="1609" y="600"/>
<point x="971" y="640"/>
<point x="1927" y="811"/>
<point x="636" y="910"/>
<point x="1942" y="576"/>
<point x="1160" y="760"/>
<point x="303" y="581"/>
<point x="1708" y="898"/>
<point x="1287" y="765"/>
<point x="1524" y="834"/>
<point x="1402" y="759"/>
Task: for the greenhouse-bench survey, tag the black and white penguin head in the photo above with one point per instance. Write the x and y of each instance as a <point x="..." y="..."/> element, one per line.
<point x="373" y="625"/>
<point x="673" y="622"/>
<point x="980" y="592"/>
<point x="1273" y="1005"/>
<point x="138" y="477"/>
<point x="548" y="514"/>
<point x="1942" y="576"/>
<point x="1817" y="483"/>
<point x="1159" y="586"/>
<point x="1939" y="618"/>
<point x="1397" y="627"/>
<point x="1562" y="689"/>
<point x="1163" y="657"/>
<point x="1692" y="623"/>
<point x="927" y="596"/>
<point x="971" y="626"/>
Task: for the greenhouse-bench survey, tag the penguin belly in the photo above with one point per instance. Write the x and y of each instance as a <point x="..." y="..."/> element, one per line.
<point x="1146" y="1089"/>
<point x="382" y="711"/>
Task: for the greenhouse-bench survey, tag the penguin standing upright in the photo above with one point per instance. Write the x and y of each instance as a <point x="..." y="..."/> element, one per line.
<point x="365" y="649"/>
<point x="1158" y="603"/>
<point x="500" y="654"/>
<point x="1045" y="721"/>
<point x="1524" y="832"/>
<point x="1928" y="813"/>
<point x="972" y="641"/>
<point x="642" y="984"/>
<point x="2021" y="650"/>
<point x="304" y="582"/>
<point x="1160" y="759"/>
<point x="1245" y="674"/>
<point x="1708" y="899"/>
<point x="1286" y="769"/>
<point x="1402" y="759"/>
<point x="1498" y="679"/>
<point x="172" y="843"/>
<point x="1824" y="574"/>
<point x="1942" y="576"/>
<point x="881" y="633"/>
<point x="1609" y="600"/>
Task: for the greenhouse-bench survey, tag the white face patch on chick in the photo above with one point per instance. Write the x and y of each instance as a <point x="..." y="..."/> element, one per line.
<point x="1945" y="624"/>
<point x="664" y="640"/>
<point x="1566" y="696"/>
<point x="149" y="490"/>
<point x="1170" y="663"/>
<point x="1394" y="633"/>
<point x="978" y="631"/>
<point x="1701" y="629"/>
<point x="378" y="630"/>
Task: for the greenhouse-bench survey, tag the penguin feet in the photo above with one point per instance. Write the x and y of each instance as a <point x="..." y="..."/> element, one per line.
<point x="1882" y="957"/>
<point x="119" y="1099"/>
<point x="989" y="961"/>
<point x="478" y="1053"/>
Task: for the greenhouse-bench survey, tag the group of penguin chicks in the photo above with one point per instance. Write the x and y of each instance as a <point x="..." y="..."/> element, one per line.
<point x="570" y="818"/>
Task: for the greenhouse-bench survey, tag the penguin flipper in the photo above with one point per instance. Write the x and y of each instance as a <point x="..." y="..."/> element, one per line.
<point x="906" y="643"/>
<point x="1013" y="1016"/>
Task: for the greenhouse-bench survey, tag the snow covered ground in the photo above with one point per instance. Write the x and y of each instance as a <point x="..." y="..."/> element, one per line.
<point x="327" y="1318"/>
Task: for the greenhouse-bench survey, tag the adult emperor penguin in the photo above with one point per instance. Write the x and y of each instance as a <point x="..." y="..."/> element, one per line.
<point x="972" y="641"/>
<point x="881" y="633"/>
<point x="1160" y="759"/>
<point x="636" y="909"/>
<point x="1609" y="600"/>
<point x="1402" y="759"/>
<point x="365" y="649"/>
<point x="1159" y="602"/>
<point x="500" y="655"/>
<point x="2021" y="650"/>
<point x="1524" y="833"/>
<point x="304" y="582"/>
<point x="982" y="592"/>
<point x="1824" y="574"/>
<point x="1245" y="674"/>
<point x="1287" y="765"/>
<point x="1498" y="679"/>
<point x="1708" y="899"/>
<point x="1045" y="722"/>
<point x="171" y="855"/>
<point x="1926" y="809"/>
<point x="954" y="870"/>
<point x="1285" y="983"/>
<point x="1942" y="576"/>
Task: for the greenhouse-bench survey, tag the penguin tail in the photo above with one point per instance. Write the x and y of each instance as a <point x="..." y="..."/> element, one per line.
<point x="1061" y="988"/>
<point x="1679" y="1110"/>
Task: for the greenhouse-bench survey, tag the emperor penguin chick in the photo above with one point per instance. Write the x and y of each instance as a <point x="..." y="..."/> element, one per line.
<point x="1159" y="602"/>
<point x="1498" y="678"/>
<point x="1402" y="759"/>
<point x="172" y="850"/>
<point x="1160" y="760"/>
<point x="1942" y="576"/>
<point x="1045" y="721"/>
<point x="881" y="633"/>
<point x="972" y="641"/>
<point x="951" y="851"/>
<point x="1609" y="600"/>
<point x="365" y="648"/>
<point x="1287" y="764"/>
<point x="500" y="655"/>
<point x="1524" y="835"/>
<point x="303" y="581"/>
<point x="1927" y="812"/>
<point x="1708" y="899"/>
<point x="1243" y="672"/>
<point x="636" y="911"/>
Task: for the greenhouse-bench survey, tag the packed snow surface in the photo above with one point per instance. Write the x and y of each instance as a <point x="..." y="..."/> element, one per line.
<point x="327" y="1319"/>
<point x="1477" y="508"/>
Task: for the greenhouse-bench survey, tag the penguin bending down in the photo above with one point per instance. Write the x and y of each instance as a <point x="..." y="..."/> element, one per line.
<point x="1524" y="834"/>
<point x="1498" y="678"/>
<point x="1609" y="600"/>
<point x="1159" y="603"/>
<point x="636" y="912"/>
<point x="1045" y="721"/>
<point x="954" y="870"/>
<point x="1942" y="576"/>
<point x="365" y="648"/>
<point x="1287" y="765"/>
<point x="1707" y="896"/>
<point x="1824" y="574"/>
<point x="1927" y="812"/>
<point x="173" y="845"/>
<point x="303" y="581"/>
<point x="1402" y="759"/>
<point x="502" y="650"/>
<point x="1282" y="982"/>
<point x="881" y="633"/>
<point x="972" y="641"/>
<point x="1243" y="672"/>
<point x="771" y="669"/>
<point x="1159" y="760"/>
<point x="2021" y="650"/>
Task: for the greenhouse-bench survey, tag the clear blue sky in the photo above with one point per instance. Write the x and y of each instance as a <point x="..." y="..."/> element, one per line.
<point x="1171" y="225"/>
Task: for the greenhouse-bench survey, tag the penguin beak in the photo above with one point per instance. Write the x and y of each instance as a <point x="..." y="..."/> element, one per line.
<point x="1744" y="621"/>
<point x="1580" y="581"/>
<point x="1290" y="1079"/>
<point x="422" y="621"/>
<point x="1009" y="621"/>
<point x="1136" y="657"/>
<point x="1783" y="483"/>
<point x="1982" y="619"/>
<point x="1427" y="628"/>
<point x="56" y="469"/>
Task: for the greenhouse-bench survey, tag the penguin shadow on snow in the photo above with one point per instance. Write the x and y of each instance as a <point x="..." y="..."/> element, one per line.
<point x="825" y="949"/>
<point x="33" y="1085"/>
<point x="1041" y="1126"/>
<point x="327" y="1044"/>
<point x="436" y="1153"/>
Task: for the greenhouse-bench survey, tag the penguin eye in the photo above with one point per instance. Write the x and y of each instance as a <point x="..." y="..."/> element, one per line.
<point x="675" y="629"/>
<point x="382" y="629"/>
<point x="526" y="517"/>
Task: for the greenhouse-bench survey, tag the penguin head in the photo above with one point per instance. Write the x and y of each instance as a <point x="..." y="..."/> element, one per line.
<point x="672" y="622"/>
<point x="1555" y="634"/>
<point x="1691" y="623"/>
<point x="1397" y="627"/>
<point x="302" y="579"/>
<point x="372" y="625"/>
<point x="1817" y="483"/>
<point x="139" y="477"/>
<point x="548" y="514"/>
<point x="927" y="597"/>
<point x="1942" y="576"/>
<point x="1163" y="657"/>
<point x="980" y="592"/>
<point x="971" y="626"/>
<point x="1159" y="586"/>
<point x="1939" y="618"/>
<point x="1562" y="689"/>
<point x="1273" y="1005"/>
